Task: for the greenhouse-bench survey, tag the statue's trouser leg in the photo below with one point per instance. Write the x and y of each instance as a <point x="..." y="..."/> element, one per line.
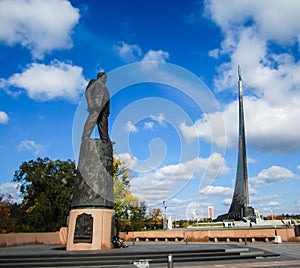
<point x="103" y="124"/>
<point x="90" y="124"/>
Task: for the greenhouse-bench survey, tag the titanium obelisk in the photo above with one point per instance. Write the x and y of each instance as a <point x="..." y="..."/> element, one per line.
<point x="240" y="202"/>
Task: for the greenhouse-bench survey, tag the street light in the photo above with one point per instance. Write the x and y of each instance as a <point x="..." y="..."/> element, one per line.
<point x="165" y="206"/>
<point x="271" y="213"/>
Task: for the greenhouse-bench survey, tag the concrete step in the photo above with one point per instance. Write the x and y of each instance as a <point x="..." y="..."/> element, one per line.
<point x="119" y="259"/>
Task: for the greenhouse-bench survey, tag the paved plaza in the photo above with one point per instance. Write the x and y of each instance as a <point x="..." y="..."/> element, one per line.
<point x="289" y="253"/>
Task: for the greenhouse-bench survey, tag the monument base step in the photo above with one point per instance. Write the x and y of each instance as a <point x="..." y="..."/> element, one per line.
<point x="126" y="257"/>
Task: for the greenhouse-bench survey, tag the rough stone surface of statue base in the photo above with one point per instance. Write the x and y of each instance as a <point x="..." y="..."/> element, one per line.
<point x="90" y="229"/>
<point x="94" y="182"/>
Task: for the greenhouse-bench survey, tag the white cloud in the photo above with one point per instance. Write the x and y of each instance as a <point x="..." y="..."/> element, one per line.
<point x="214" y="53"/>
<point x="271" y="19"/>
<point x="266" y="125"/>
<point x="274" y="204"/>
<point x="216" y="190"/>
<point x="47" y="82"/>
<point x="210" y="168"/>
<point x="215" y="166"/>
<point x="128" y="52"/>
<point x="9" y="188"/>
<point x="158" y="118"/>
<point x="271" y="175"/>
<point x="3" y="117"/>
<point x="148" y="125"/>
<point x="210" y="128"/>
<point x="252" y="190"/>
<point x="183" y="171"/>
<point x="129" y="127"/>
<point x="39" y="25"/>
<point x="32" y="146"/>
<point x="127" y="160"/>
<point x="133" y="52"/>
<point x="227" y="201"/>
<point x="200" y="129"/>
<point x="150" y="59"/>
<point x="156" y="55"/>
<point x="164" y="182"/>
<point x="264" y="198"/>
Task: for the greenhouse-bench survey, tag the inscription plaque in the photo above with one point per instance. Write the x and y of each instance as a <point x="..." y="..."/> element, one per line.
<point x="83" y="229"/>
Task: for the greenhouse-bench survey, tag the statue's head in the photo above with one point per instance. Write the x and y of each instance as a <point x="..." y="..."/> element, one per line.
<point x="102" y="76"/>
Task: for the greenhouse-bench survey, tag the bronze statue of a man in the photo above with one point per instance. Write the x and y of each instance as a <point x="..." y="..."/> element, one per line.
<point x="97" y="97"/>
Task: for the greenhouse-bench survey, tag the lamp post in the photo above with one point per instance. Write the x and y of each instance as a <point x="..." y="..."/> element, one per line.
<point x="164" y="215"/>
<point x="271" y="213"/>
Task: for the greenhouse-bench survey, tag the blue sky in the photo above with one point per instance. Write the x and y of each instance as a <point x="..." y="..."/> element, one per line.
<point x="172" y="74"/>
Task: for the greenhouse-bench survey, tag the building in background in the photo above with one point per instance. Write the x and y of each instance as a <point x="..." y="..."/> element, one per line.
<point x="210" y="211"/>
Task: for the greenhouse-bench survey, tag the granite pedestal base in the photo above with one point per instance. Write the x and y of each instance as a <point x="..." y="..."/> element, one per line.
<point x="90" y="229"/>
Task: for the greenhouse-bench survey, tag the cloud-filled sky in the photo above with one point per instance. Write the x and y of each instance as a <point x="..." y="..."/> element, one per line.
<point x="174" y="120"/>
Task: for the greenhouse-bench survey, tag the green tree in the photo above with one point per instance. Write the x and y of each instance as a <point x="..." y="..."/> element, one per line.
<point x="47" y="188"/>
<point x="5" y="212"/>
<point x="137" y="216"/>
<point x="17" y="220"/>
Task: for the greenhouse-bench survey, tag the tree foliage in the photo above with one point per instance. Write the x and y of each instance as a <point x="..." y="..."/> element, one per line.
<point x="122" y="193"/>
<point x="47" y="188"/>
<point x="131" y="212"/>
<point x="138" y="212"/>
<point x="155" y="218"/>
<point x="5" y="213"/>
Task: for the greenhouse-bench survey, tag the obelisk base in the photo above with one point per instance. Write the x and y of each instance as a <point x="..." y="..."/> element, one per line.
<point x="90" y="229"/>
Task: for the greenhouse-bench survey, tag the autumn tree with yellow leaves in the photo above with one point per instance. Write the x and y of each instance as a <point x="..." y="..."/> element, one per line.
<point x="131" y="212"/>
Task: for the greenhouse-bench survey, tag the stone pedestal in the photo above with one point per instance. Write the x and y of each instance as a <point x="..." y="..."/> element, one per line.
<point x="91" y="217"/>
<point x="90" y="229"/>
